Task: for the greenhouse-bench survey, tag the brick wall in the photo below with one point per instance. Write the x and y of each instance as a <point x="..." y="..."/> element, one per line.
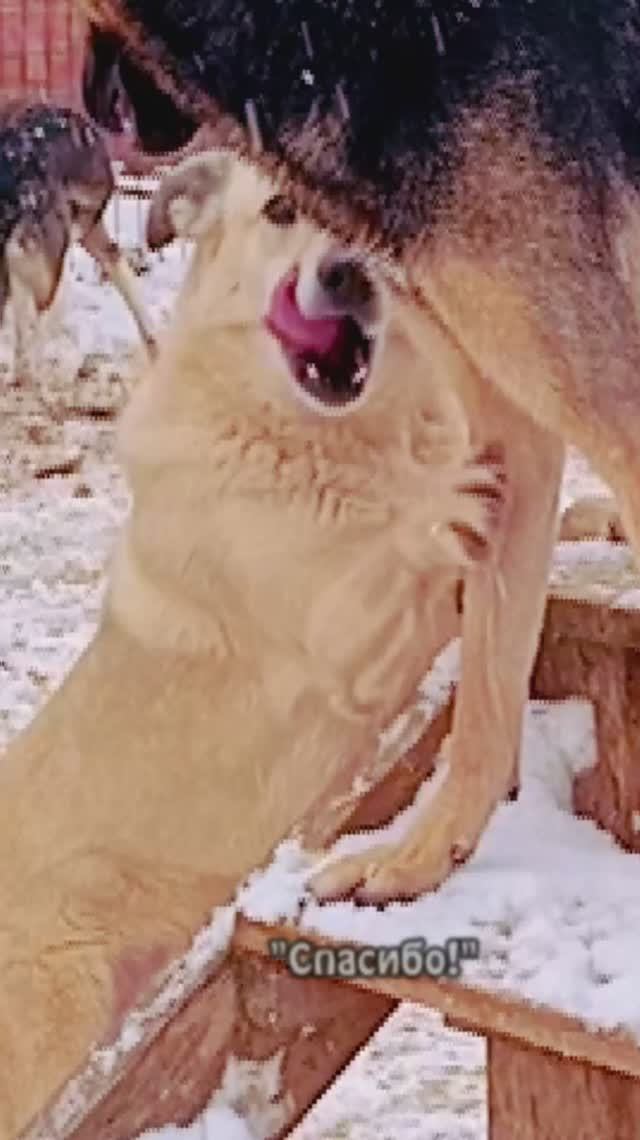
<point x="41" y="45"/>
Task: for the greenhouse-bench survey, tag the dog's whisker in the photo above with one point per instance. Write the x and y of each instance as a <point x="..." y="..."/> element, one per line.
<point x="343" y="102"/>
<point x="437" y="35"/>
<point x="307" y="39"/>
<point x="253" y="125"/>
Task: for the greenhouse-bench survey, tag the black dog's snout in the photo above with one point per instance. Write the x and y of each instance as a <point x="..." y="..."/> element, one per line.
<point x="102" y="90"/>
<point x="347" y="284"/>
<point x="114" y="89"/>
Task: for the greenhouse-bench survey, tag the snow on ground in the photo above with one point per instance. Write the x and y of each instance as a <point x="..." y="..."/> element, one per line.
<point x="215" y="1124"/>
<point x="415" y="1079"/>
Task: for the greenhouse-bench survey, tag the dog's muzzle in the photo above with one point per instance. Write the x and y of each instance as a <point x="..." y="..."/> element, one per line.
<point x="325" y="321"/>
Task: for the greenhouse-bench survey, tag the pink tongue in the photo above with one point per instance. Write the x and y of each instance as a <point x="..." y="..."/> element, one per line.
<point x="304" y="334"/>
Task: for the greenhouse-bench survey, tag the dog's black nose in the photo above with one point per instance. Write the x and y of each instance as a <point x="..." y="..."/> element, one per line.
<point x="119" y="96"/>
<point x="346" y="281"/>
<point x="348" y="287"/>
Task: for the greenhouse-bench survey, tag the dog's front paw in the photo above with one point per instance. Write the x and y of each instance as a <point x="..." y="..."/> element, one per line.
<point x="478" y="504"/>
<point x="388" y="874"/>
<point x="392" y="873"/>
<point x="460" y="515"/>
<point x="442" y="838"/>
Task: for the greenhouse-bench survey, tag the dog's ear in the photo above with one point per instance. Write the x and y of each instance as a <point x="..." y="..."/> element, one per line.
<point x="189" y="200"/>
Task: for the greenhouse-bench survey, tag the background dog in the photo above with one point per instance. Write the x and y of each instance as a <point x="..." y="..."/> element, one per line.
<point x="56" y="182"/>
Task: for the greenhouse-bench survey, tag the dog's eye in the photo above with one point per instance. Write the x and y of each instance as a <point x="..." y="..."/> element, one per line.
<point x="279" y="211"/>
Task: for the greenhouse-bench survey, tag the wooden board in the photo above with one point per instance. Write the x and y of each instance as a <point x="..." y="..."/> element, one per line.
<point x="534" y="1096"/>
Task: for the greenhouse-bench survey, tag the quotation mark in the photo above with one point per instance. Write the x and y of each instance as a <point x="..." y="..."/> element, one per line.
<point x="278" y="948"/>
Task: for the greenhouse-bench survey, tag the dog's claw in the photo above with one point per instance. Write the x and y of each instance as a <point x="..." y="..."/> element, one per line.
<point x="340" y="879"/>
<point x="378" y="877"/>
<point x="438" y="843"/>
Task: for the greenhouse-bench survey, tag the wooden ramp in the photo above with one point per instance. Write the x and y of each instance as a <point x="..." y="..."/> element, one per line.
<point x="184" y="1032"/>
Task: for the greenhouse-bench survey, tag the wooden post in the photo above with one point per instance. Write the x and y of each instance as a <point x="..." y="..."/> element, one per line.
<point x="592" y="651"/>
<point x="536" y="1095"/>
<point x="254" y="1011"/>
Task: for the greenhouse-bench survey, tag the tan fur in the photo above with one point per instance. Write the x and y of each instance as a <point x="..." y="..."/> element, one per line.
<point x="543" y="301"/>
<point x="529" y="263"/>
<point x="370" y="609"/>
<point x="32" y="260"/>
<point x="550" y="317"/>
<point x="561" y="345"/>
<point x="503" y="610"/>
<point x="272" y="603"/>
<point x="341" y="503"/>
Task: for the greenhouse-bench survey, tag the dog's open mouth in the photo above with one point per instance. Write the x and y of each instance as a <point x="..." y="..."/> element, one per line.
<point x="329" y="357"/>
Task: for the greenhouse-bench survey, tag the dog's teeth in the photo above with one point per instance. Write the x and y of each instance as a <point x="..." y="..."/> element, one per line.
<point x="360" y="373"/>
<point x="312" y="371"/>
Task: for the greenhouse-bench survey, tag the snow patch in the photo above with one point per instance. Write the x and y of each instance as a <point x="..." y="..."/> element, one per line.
<point x="214" y="1124"/>
<point x="245" y="1107"/>
<point x="554" y="902"/>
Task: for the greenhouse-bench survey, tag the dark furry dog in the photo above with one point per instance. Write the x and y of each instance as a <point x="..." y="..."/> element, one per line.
<point x="392" y="91"/>
<point x="55" y="182"/>
<point x="492" y="148"/>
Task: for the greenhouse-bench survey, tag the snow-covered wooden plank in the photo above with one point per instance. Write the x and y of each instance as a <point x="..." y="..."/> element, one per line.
<point x="491" y="1014"/>
<point x="555" y="906"/>
<point x="252" y="1040"/>
<point x="553" y="902"/>
<point x="589" y="649"/>
<point x="594" y="594"/>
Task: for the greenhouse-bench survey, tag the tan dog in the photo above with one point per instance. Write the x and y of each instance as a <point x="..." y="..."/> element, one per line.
<point x="337" y="486"/>
<point x="307" y="494"/>
<point x="370" y="598"/>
